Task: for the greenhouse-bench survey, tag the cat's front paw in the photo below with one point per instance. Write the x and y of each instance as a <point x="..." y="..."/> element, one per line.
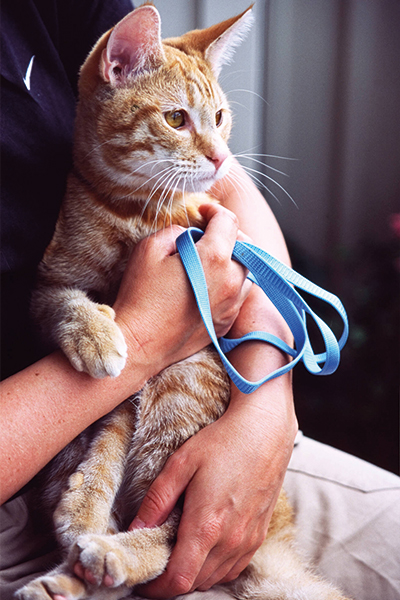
<point x="93" y="342"/>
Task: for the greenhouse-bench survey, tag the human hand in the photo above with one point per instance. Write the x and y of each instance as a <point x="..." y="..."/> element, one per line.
<point x="231" y="473"/>
<point x="156" y="308"/>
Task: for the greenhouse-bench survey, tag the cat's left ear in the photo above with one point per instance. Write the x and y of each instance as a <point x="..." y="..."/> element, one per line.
<point x="133" y="47"/>
<point x="220" y="50"/>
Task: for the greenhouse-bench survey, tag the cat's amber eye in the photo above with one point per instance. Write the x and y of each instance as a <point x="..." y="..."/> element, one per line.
<point x="218" y="118"/>
<point x="175" y="118"/>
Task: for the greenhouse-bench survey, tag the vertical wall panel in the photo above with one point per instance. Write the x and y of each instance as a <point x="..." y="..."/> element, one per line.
<point x="177" y="16"/>
<point x="371" y="182"/>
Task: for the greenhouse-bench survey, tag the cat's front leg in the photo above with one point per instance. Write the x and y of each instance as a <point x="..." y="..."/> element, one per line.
<point x="84" y="330"/>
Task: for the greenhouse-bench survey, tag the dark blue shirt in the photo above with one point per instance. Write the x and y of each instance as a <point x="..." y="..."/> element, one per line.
<point x="43" y="44"/>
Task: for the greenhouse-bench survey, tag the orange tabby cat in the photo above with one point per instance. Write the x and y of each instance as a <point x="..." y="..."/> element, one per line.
<point x="151" y="137"/>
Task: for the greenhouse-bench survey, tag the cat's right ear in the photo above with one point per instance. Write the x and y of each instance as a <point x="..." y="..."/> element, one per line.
<point x="134" y="46"/>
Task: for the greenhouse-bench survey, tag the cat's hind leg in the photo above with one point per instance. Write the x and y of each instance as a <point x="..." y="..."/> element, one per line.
<point x="56" y="585"/>
<point x="106" y="566"/>
<point x="121" y="561"/>
<point x="170" y="410"/>
<point x="87" y="503"/>
<point x="86" y="507"/>
<point x="60" y="585"/>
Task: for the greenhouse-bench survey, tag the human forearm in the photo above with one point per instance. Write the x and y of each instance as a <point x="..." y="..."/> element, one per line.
<point x="255" y="359"/>
<point x="45" y="406"/>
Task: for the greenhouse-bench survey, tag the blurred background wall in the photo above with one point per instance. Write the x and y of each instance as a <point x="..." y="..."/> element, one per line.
<point x="318" y="83"/>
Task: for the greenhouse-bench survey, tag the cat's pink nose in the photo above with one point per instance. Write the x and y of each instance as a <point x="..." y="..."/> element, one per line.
<point x="217" y="158"/>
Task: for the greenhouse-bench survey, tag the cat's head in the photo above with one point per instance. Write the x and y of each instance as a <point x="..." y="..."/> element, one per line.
<point x="152" y="115"/>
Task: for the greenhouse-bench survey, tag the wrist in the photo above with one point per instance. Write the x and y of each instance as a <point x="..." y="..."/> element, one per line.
<point x="258" y="313"/>
<point x="141" y="362"/>
<point x="273" y="401"/>
<point x="269" y="411"/>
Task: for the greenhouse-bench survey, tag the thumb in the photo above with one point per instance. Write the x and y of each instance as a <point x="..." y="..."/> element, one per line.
<point x="166" y="238"/>
<point x="163" y="494"/>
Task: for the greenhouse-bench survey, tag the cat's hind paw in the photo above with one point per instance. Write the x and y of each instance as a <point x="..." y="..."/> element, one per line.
<point x="54" y="586"/>
<point x="121" y="561"/>
<point x="93" y="342"/>
<point x="99" y="561"/>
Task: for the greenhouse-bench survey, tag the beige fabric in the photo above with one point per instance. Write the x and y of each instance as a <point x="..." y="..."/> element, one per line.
<point x="348" y="519"/>
<point x="347" y="511"/>
<point x="26" y="549"/>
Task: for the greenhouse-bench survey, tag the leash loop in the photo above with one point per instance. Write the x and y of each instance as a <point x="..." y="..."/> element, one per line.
<point x="278" y="282"/>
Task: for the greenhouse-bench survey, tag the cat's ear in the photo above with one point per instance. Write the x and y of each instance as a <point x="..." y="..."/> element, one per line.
<point x="228" y="35"/>
<point x="134" y="46"/>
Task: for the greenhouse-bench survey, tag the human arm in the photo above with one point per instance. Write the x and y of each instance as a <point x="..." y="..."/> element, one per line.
<point x="224" y="522"/>
<point x="46" y="405"/>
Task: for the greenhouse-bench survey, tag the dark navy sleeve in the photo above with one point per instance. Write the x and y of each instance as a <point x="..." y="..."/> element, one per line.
<point x="43" y="44"/>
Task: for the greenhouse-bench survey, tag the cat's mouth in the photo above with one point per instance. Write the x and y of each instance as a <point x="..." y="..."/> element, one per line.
<point x="187" y="179"/>
<point x="205" y="180"/>
<point x="201" y="185"/>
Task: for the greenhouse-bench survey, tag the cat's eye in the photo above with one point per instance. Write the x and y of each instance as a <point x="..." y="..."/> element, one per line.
<point x="218" y="118"/>
<point x="175" y="118"/>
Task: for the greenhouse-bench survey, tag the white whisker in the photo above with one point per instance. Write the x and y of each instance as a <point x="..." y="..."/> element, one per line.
<point x="260" y="162"/>
<point x="184" y="201"/>
<point x="146" y="182"/>
<point x="154" y="162"/>
<point x="248" y="92"/>
<point x="251" y="171"/>
<point x="168" y="182"/>
<point x="98" y="146"/>
<point x="239" y="104"/>
<point x="157" y="185"/>
<point x="265" y="155"/>
<point x="237" y="183"/>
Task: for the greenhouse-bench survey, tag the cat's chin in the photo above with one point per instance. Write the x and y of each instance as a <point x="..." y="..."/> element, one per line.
<point x="203" y="185"/>
<point x="199" y="187"/>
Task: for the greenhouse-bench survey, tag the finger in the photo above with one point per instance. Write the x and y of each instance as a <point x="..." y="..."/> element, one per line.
<point x="164" y="240"/>
<point x="221" y="230"/>
<point x="217" y="244"/>
<point x="245" y="291"/>
<point x="225" y="559"/>
<point x="242" y="237"/>
<point x="215" y="569"/>
<point x="186" y="560"/>
<point x="164" y="492"/>
<point x="236" y="569"/>
<point x="197" y="536"/>
<point x="223" y="326"/>
<point x="227" y="572"/>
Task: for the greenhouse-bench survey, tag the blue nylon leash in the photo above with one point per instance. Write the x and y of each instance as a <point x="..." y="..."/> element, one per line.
<point x="278" y="282"/>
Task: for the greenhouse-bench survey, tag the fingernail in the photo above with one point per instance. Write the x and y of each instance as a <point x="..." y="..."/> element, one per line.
<point x="137" y="523"/>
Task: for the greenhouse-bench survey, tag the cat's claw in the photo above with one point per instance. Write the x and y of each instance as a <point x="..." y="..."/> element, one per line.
<point x="86" y="574"/>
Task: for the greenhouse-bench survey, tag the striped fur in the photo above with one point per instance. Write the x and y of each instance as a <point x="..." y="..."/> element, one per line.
<point x="133" y="174"/>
